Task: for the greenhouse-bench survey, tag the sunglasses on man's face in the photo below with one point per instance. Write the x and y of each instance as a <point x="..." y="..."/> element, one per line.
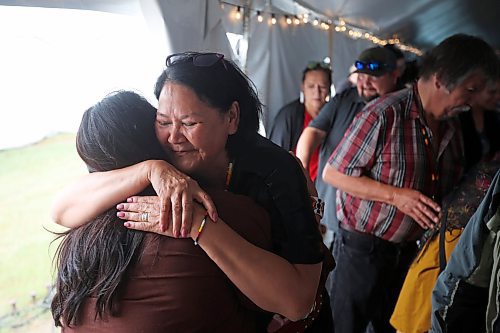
<point x="198" y="59"/>
<point x="372" y="65"/>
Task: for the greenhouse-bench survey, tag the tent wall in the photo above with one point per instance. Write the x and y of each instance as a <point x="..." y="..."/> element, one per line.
<point x="277" y="54"/>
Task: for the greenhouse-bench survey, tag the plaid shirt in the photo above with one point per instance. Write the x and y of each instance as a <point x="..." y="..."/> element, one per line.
<point x="385" y="142"/>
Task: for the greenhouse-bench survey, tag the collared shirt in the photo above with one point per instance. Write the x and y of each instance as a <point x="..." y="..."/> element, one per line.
<point x="386" y="142"/>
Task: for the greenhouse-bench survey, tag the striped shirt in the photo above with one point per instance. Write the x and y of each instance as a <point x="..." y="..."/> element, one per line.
<point x="386" y="142"/>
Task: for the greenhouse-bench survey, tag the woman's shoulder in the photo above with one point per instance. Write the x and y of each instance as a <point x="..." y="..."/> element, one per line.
<point x="263" y="156"/>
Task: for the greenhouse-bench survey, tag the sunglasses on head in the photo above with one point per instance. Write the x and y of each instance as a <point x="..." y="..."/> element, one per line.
<point x="372" y="65"/>
<point x="318" y="64"/>
<point x="198" y="59"/>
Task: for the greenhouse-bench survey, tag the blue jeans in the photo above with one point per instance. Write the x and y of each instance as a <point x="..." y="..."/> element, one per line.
<point x="367" y="281"/>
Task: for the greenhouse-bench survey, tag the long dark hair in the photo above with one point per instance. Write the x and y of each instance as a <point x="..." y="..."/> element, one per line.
<point x="92" y="259"/>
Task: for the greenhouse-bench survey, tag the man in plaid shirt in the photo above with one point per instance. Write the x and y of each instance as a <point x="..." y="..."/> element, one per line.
<point x="402" y="153"/>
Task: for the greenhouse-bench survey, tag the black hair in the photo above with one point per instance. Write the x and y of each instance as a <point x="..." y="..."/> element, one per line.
<point x="219" y="85"/>
<point x="456" y="57"/>
<point x="93" y="258"/>
<point x="318" y="67"/>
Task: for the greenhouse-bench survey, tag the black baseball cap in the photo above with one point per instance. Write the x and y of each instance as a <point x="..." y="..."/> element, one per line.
<point x="375" y="61"/>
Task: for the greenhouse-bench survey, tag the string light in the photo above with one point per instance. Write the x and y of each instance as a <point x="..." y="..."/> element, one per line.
<point x="305" y="18"/>
<point x="322" y="22"/>
<point x="259" y="16"/>
<point x="238" y="13"/>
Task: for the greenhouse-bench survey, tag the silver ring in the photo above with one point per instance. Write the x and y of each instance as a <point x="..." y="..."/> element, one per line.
<point x="144" y="217"/>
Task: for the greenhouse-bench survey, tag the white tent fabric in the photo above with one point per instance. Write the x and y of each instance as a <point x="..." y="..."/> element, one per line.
<point x="276" y="58"/>
<point x="276" y="54"/>
<point x="194" y="25"/>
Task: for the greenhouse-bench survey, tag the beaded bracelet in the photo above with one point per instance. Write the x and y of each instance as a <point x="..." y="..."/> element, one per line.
<point x="200" y="229"/>
<point x="318" y="206"/>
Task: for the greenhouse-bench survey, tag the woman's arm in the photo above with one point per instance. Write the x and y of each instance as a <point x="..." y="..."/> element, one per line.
<point x="271" y="282"/>
<point x="309" y="140"/>
<point x="96" y="192"/>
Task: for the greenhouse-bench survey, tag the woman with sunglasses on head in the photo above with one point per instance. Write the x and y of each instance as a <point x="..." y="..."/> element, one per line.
<point x="113" y="279"/>
<point x="292" y="118"/>
<point x="207" y="123"/>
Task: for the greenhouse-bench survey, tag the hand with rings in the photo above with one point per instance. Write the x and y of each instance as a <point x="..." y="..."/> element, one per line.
<point x="144" y="217"/>
<point x="142" y="213"/>
<point x="139" y="209"/>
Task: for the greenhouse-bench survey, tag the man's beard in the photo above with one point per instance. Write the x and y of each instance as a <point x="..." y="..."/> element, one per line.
<point x="370" y="98"/>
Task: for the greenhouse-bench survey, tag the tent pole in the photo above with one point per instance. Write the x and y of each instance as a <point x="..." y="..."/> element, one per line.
<point x="246" y="32"/>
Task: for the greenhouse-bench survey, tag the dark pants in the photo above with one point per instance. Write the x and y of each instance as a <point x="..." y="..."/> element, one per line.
<point x="368" y="278"/>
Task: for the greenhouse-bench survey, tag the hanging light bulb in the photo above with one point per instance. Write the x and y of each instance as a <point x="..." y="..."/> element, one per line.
<point x="238" y="13"/>
<point x="259" y="16"/>
<point x="273" y="19"/>
<point x="288" y="20"/>
<point x="296" y="20"/>
<point x="315" y="22"/>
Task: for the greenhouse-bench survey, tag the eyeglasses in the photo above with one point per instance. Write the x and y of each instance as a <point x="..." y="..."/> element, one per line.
<point x="197" y="58"/>
<point x="318" y="64"/>
<point x="372" y="65"/>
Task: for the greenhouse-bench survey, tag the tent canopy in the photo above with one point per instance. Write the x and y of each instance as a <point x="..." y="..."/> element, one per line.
<point x="277" y="53"/>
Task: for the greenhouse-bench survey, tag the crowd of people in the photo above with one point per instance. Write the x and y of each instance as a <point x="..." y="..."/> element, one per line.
<point x="190" y="221"/>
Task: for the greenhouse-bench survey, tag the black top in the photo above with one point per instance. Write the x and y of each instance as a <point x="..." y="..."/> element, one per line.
<point x="478" y="146"/>
<point x="288" y="125"/>
<point x="274" y="179"/>
<point x="334" y="118"/>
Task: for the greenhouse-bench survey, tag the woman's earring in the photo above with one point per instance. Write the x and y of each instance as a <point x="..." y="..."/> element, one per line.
<point x="327" y="98"/>
<point x="301" y="97"/>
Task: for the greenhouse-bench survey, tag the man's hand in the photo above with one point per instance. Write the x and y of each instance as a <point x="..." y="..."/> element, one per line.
<point x="420" y="208"/>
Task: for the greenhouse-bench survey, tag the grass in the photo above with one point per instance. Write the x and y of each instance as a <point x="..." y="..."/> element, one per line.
<point x="29" y="178"/>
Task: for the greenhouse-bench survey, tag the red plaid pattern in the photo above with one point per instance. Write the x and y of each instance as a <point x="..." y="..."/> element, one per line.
<point x="385" y="143"/>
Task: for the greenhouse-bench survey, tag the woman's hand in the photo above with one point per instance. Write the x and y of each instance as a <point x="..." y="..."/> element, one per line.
<point x="143" y="213"/>
<point x="177" y="193"/>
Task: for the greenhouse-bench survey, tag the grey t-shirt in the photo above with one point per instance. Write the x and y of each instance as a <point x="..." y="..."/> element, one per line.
<point x="334" y="118"/>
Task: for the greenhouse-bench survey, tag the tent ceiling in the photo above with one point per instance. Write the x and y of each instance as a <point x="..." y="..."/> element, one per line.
<point x="422" y="23"/>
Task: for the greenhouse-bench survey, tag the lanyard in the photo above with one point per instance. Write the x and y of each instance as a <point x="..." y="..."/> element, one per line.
<point x="433" y="163"/>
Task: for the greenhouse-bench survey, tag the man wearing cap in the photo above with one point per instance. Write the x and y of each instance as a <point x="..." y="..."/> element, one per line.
<point x="398" y="158"/>
<point x="291" y="119"/>
<point x="376" y="77"/>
